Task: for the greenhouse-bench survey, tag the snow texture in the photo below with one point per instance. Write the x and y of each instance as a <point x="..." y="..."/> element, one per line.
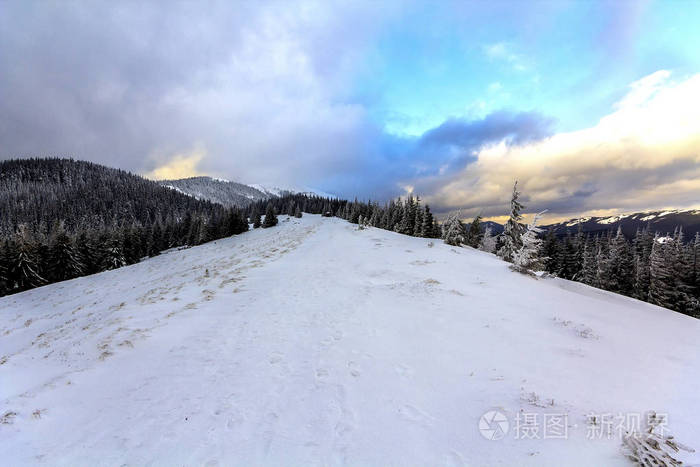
<point x="315" y="343"/>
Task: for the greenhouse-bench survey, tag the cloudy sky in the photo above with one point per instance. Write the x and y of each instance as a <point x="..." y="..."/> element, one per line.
<point x="594" y="107"/>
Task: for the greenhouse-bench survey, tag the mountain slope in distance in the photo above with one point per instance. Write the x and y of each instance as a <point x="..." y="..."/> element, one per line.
<point x="229" y="193"/>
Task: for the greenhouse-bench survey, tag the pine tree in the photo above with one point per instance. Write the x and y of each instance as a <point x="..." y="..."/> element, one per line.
<point x="64" y="260"/>
<point x="642" y="244"/>
<point x="603" y="262"/>
<point x="270" y="217"/>
<point x="4" y="268"/>
<point x="621" y="265"/>
<point x="88" y="253"/>
<point x="551" y="251"/>
<point x="474" y="234"/>
<point x="427" y="229"/>
<point x="453" y="230"/>
<point x="513" y="230"/>
<point x="661" y="270"/>
<point x="418" y="220"/>
<point x="528" y="258"/>
<point x="590" y="266"/>
<point x="255" y="218"/>
<point x="113" y="256"/>
<point x="488" y="241"/>
<point x="22" y="271"/>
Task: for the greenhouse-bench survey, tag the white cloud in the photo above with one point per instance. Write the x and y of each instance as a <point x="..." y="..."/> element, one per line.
<point x="644" y="154"/>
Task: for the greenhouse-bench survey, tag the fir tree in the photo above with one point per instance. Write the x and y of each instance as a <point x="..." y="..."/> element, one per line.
<point x="418" y="220"/>
<point x="255" y="218"/>
<point x="590" y="266"/>
<point x="427" y="229"/>
<point x="551" y="253"/>
<point x="453" y="230"/>
<point x="270" y="217"/>
<point x="528" y="258"/>
<point x="113" y="257"/>
<point x="513" y="230"/>
<point x="64" y="259"/>
<point x="22" y="271"/>
<point x="661" y="271"/>
<point x="297" y="212"/>
<point x="621" y="265"/>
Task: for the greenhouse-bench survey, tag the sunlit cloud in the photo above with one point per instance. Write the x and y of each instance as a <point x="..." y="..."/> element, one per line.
<point x="179" y="166"/>
<point x="643" y="154"/>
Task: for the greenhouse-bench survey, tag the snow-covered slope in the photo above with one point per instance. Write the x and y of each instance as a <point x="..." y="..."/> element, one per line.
<point x="313" y="343"/>
<point x="217" y="190"/>
<point x="230" y="193"/>
<point x="276" y="191"/>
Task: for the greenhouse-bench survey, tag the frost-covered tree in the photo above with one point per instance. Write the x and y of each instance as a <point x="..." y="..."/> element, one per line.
<point x="621" y="266"/>
<point x="488" y="241"/>
<point x="590" y="266"/>
<point x="113" y="256"/>
<point x="23" y="266"/>
<point x="270" y="217"/>
<point x="513" y="230"/>
<point x="641" y="246"/>
<point x="453" y="230"/>
<point x="661" y="270"/>
<point x="527" y="258"/>
<point x="297" y="212"/>
<point x="63" y="258"/>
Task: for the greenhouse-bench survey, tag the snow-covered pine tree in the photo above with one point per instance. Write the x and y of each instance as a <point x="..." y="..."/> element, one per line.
<point x="603" y="261"/>
<point x="684" y="276"/>
<point x="23" y="268"/>
<point x="527" y="258"/>
<point x="641" y="246"/>
<point x="270" y="217"/>
<point x="474" y="233"/>
<point x="620" y="264"/>
<point x="113" y="256"/>
<point x="589" y="270"/>
<point x="64" y="260"/>
<point x="418" y="221"/>
<point x="453" y="230"/>
<point x="661" y="272"/>
<point x="297" y="212"/>
<point x="513" y="230"/>
<point x="4" y="278"/>
<point x="488" y="241"/>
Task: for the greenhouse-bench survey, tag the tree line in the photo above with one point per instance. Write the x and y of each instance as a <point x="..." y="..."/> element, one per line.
<point x="662" y="269"/>
<point x="63" y="219"/>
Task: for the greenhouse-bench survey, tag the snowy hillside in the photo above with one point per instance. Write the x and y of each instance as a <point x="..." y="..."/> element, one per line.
<point x="276" y="191"/>
<point x="230" y="193"/>
<point x="314" y="343"/>
<point x="216" y="190"/>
